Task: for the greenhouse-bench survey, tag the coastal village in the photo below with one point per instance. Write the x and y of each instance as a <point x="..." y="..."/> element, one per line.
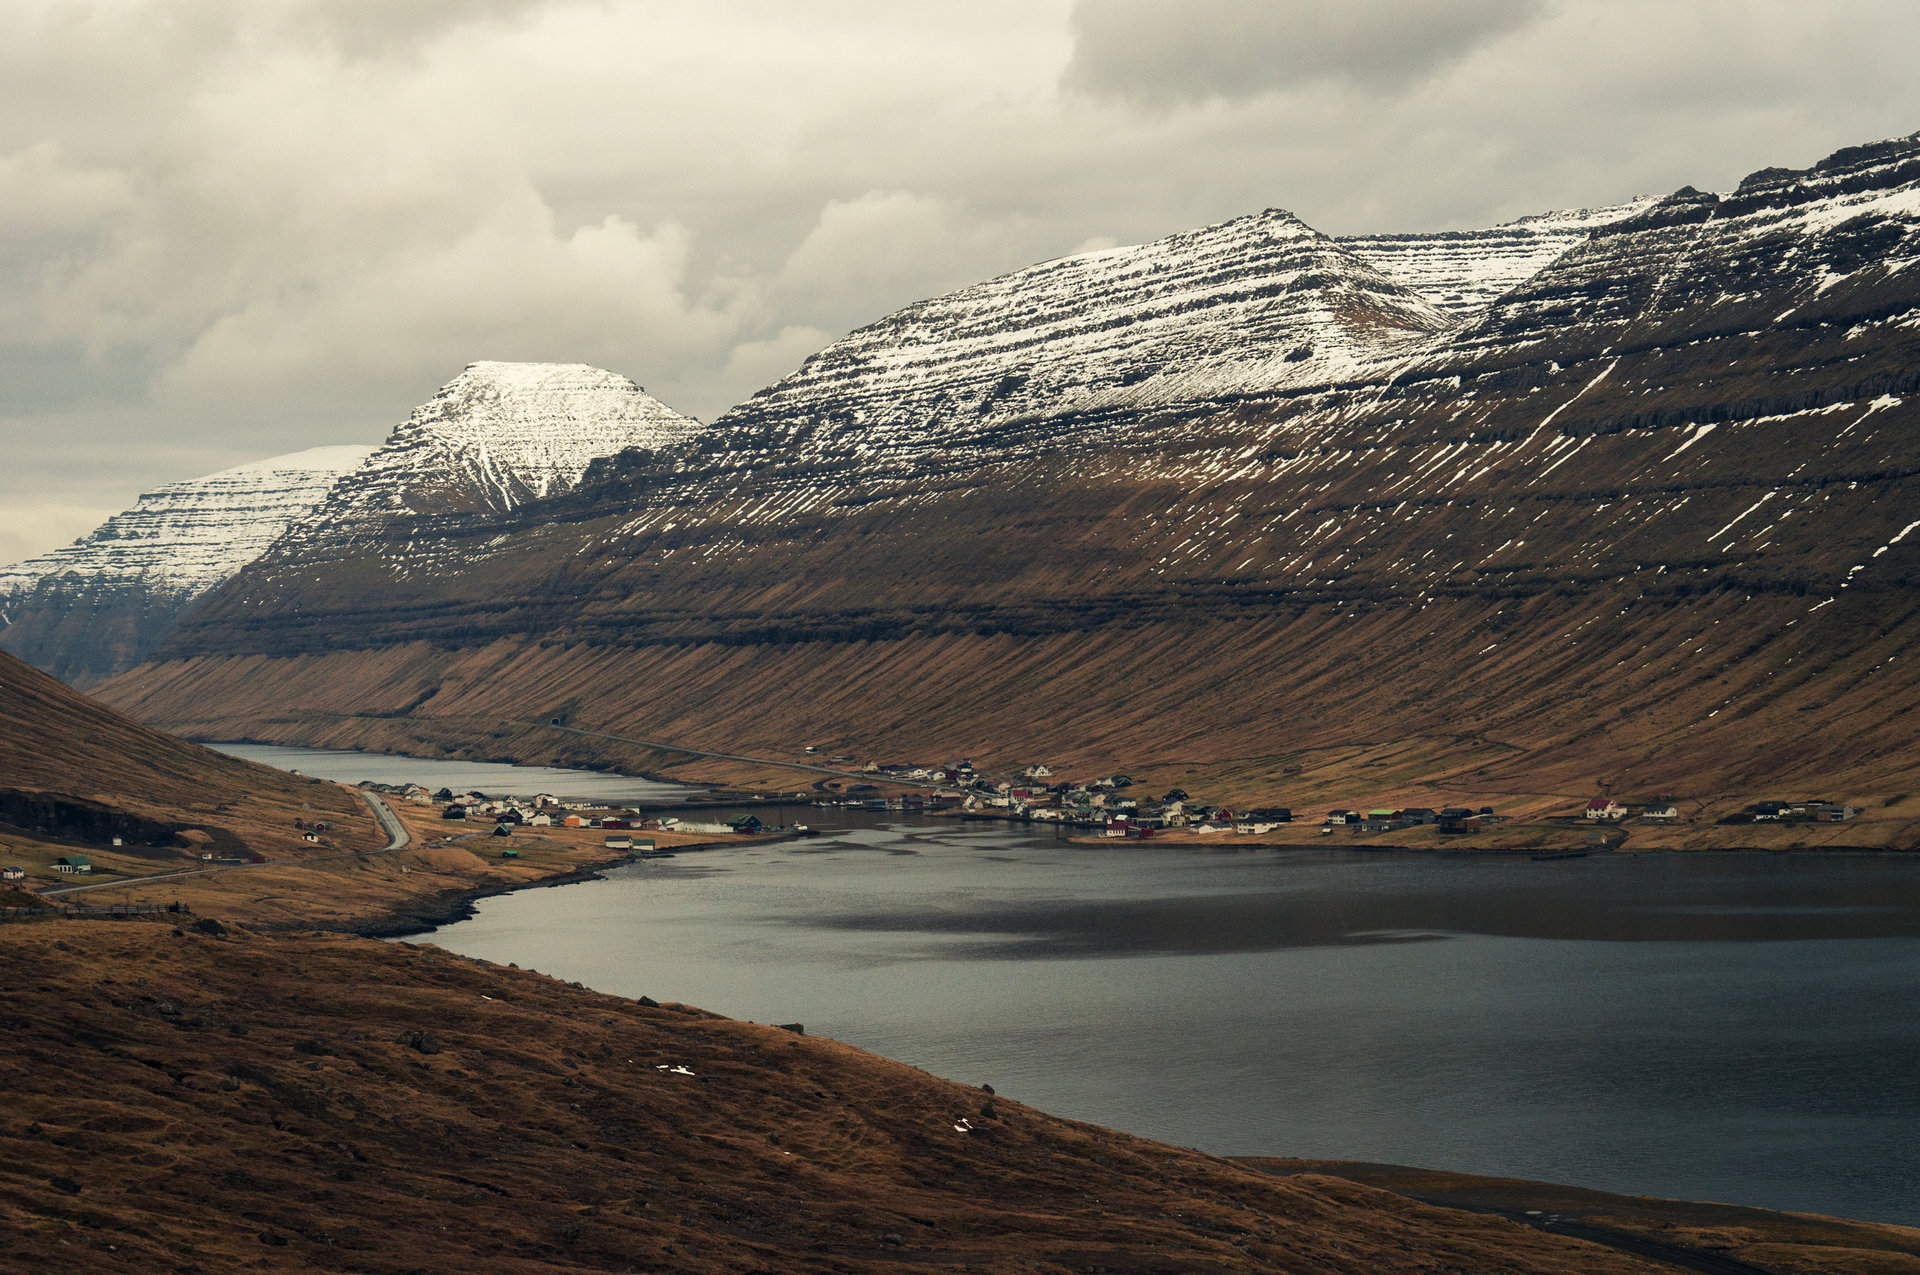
<point x="1108" y="807"/>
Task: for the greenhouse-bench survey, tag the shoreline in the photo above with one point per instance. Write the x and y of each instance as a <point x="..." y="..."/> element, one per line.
<point x="449" y="907"/>
<point x="1544" y="849"/>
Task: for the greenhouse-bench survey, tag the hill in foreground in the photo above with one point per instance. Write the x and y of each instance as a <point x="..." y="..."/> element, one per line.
<point x="185" y="1100"/>
<point x="74" y="775"/>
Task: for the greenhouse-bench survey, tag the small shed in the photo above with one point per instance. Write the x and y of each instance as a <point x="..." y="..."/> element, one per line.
<point x="503" y="830"/>
<point x="509" y="854"/>
<point x="621" y="842"/>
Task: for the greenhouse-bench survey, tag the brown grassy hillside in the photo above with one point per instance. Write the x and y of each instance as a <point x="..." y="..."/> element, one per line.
<point x="58" y="742"/>
<point x="1537" y="703"/>
<point x="190" y="1102"/>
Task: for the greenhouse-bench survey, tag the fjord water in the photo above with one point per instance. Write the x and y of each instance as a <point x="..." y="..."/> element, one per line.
<point x="497" y="778"/>
<point x="1730" y="1027"/>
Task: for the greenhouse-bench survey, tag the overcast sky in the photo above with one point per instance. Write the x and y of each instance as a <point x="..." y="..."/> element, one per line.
<point x="235" y="228"/>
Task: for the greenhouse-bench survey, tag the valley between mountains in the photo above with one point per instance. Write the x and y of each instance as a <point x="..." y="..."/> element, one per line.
<point x="1604" y="502"/>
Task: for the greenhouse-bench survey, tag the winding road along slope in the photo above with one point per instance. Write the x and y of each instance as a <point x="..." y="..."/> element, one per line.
<point x="398" y="838"/>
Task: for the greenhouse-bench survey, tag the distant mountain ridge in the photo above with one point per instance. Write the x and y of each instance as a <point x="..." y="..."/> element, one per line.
<point x="496" y="437"/>
<point x="500" y="435"/>
<point x="1645" y="513"/>
<point x="97" y="606"/>
<point x="186" y="537"/>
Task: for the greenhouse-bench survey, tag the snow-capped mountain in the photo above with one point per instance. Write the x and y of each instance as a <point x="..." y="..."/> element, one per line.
<point x="496" y="437"/>
<point x="500" y="435"/>
<point x="1461" y="271"/>
<point x="1253" y="305"/>
<point x="182" y="539"/>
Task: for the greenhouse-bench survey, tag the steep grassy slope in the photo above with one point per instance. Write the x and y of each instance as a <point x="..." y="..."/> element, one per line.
<point x="183" y="1101"/>
<point x="74" y="774"/>
<point x="1644" y="521"/>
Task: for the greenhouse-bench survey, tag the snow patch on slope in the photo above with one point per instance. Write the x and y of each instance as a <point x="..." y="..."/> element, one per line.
<point x="1462" y="270"/>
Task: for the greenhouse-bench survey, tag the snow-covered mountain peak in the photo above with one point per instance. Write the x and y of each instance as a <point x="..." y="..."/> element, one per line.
<point x="1253" y="305"/>
<point x="501" y="434"/>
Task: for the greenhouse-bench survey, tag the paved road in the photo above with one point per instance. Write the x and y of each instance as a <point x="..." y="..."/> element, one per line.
<point x="864" y="776"/>
<point x="397" y="835"/>
<point x="398" y="838"/>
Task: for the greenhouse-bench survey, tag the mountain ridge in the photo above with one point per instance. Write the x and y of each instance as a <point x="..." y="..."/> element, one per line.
<point x="98" y="605"/>
<point x="1683" y="443"/>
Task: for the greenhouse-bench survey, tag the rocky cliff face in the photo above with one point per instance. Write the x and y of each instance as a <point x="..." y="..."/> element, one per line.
<point x="1645" y="513"/>
<point x="99" y="605"/>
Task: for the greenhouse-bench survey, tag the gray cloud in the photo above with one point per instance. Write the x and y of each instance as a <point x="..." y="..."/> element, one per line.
<point x="1152" y="52"/>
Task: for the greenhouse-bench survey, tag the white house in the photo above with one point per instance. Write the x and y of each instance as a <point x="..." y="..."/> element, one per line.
<point x="1605" y="808"/>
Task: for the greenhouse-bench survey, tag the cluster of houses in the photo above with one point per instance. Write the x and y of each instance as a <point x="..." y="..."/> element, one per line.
<point x="1448" y="820"/>
<point x="546" y="811"/>
<point x="1107" y="805"/>
<point x="542" y="811"/>
<point x="1662" y="810"/>
<point x="1816" y="810"/>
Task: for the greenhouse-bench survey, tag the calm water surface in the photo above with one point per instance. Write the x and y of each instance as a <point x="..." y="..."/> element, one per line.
<point x="1736" y="1028"/>
<point x="493" y="778"/>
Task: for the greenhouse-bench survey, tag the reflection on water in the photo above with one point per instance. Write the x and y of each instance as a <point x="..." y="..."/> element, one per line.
<point x="493" y="778"/>
<point x="1730" y="1027"/>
